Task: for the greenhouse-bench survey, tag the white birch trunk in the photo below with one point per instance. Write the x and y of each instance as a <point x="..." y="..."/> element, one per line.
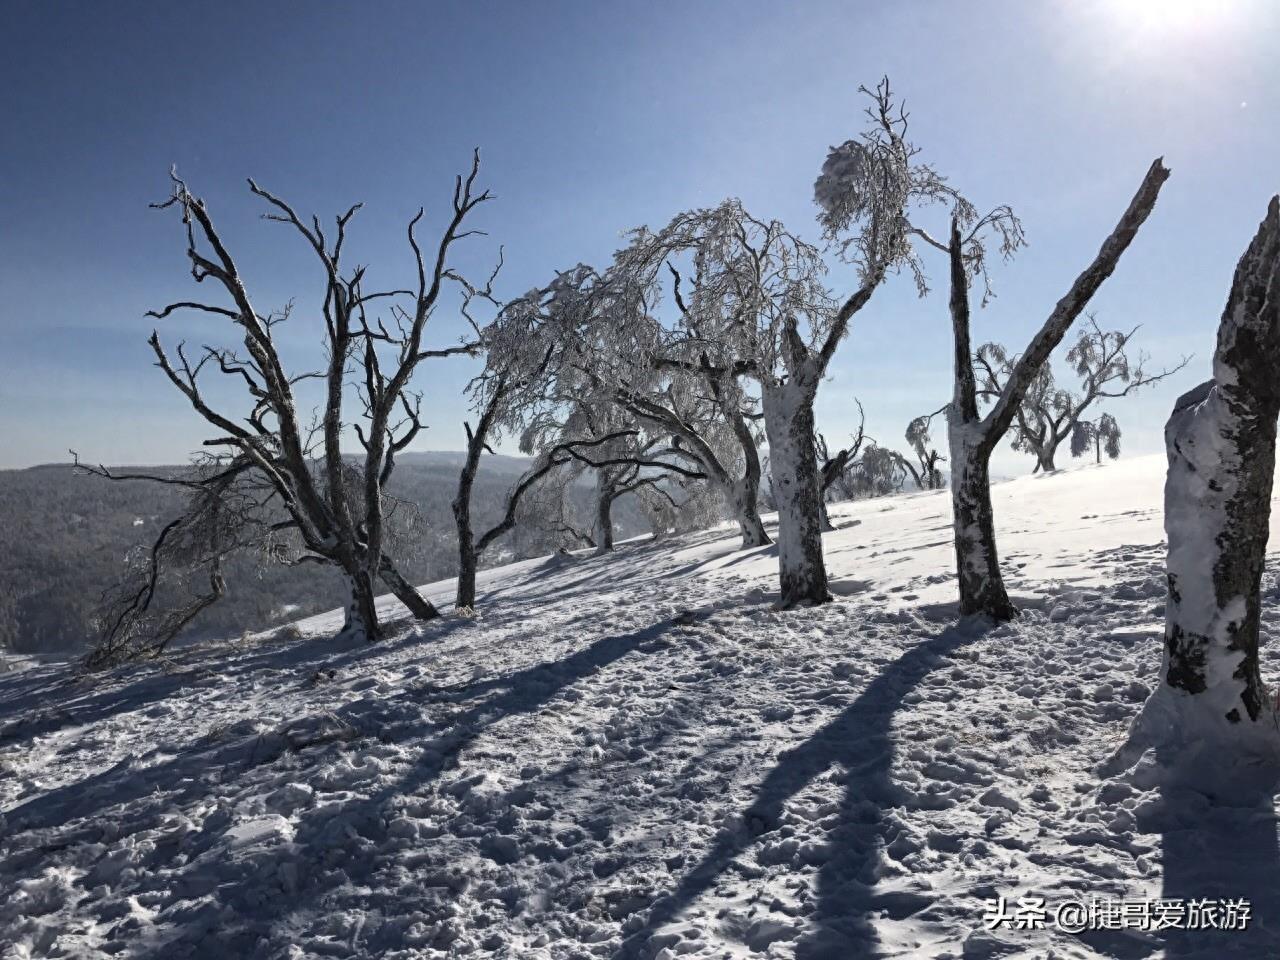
<point x="788" y="422"/>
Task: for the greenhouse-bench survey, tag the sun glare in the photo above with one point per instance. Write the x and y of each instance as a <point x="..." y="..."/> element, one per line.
<point x="1168" y="18"/>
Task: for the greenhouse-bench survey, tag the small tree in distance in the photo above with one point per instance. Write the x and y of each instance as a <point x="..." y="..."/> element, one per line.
<point x="1049" y="414"/>
<point x="1102" y="435"/>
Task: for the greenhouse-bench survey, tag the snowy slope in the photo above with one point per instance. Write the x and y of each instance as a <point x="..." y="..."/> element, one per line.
<point x="635" y="756"/>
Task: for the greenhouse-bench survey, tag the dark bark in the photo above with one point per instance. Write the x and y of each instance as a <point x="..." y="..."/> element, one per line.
<point x="746" y="493"/>
<point x="419" y="606"/>
<point x="972" y="439"/>
<point x="468" y="557"/>
<point x="1221" y="443"/>
<point x="744" y="502"/>
<point x="602" y="528"/>
<point x="982" y="588"/>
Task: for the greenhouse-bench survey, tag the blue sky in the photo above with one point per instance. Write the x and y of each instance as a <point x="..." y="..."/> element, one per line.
<point x="593" y="118"/>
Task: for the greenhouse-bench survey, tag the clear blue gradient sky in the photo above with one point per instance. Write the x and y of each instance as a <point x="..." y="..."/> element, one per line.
<point x="593" y="118"/>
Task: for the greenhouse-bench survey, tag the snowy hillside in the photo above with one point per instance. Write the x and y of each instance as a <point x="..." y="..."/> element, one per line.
<point x="635" y="756"/>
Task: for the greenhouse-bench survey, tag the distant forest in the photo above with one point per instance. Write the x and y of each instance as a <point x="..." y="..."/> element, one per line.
<point x="64" y="538"/>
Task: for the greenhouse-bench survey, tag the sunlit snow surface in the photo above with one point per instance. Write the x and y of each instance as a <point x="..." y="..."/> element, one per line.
<point x="635" y="756"/>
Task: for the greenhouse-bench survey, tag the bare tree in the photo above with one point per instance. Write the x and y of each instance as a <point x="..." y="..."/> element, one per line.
<point x="223" y="514"/>
<point x="1048" y="414"/>
<point x="973" y="437"/>
<point x="832" y="467"/>
<point x="307" y="472"/>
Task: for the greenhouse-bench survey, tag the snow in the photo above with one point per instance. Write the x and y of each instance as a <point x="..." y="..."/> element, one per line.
<point x="634" y="755"/>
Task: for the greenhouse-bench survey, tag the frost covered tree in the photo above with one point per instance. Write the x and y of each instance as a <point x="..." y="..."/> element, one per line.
<point x="519" y="344"/>
<point x="1221" y="442"/>
<point x="881" y="175"/>
<point x="756" y="295"/>
<point x="1049" y="414"/>
<point x="583" y="406"/>
<point x="340" y="518"/>
<point x="924" y="472"/>
<point x="1100" y="435"/>
<point x="675" y="379"/>
<point x="869" y="189"/>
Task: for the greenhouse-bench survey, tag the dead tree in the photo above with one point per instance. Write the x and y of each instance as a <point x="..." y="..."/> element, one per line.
<point x="1048" y="414"/>
<point x="1221" y="442"/>
<point x="832" y="466"/>
<point x="973" y="437"/>
<point x="306" y="468"/>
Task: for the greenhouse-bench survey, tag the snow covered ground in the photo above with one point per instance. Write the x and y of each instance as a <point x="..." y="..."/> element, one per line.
<point x="634" y="756"/>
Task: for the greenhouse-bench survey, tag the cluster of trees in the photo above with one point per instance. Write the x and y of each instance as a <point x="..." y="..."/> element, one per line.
<point x="665" y="374"/>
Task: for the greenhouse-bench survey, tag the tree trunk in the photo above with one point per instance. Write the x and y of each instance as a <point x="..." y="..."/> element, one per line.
<point x="466" y="593"/>
<point x="788" y="421"/>
<point x="602" y="529"/>
<point x="1221" y="444"/>
<point x="465" y="598"/>
<point x="743" y="501"/>
<point x="977" y="563"/>
<point x="1045" y="458"/>
<point x="824" y="517"/>
<point x="361" y="615"/>
<point x="419" y="606"/>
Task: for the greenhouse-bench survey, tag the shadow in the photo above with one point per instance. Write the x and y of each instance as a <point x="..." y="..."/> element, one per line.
<point x="1222" y="847"/>
<point x="88" y="699"/>
<point x="390" y="719"/>
<point x="859" y="740"/>
<point x="439" y="722"/>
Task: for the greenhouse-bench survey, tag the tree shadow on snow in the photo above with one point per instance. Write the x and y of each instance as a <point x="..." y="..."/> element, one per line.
<point x="26" y="710"/>
<point x="73" y="810"/>
<point x="859" y="741"/>
<point x="1218" y="848"/>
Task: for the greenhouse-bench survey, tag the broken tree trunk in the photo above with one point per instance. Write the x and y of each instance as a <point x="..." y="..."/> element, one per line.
<point x="973" y="438"/>
<point x="1221" y="442"/>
